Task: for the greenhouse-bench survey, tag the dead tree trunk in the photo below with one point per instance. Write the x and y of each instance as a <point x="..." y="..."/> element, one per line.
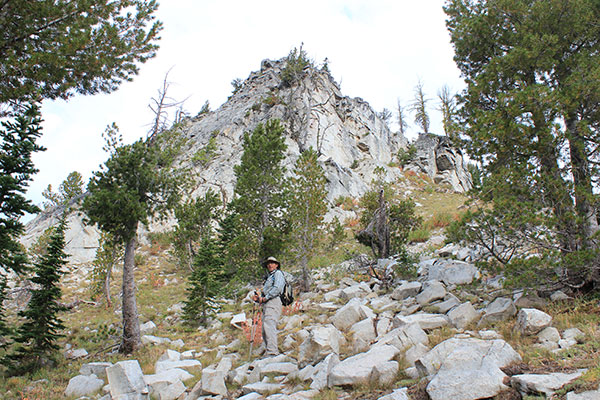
<point x="377" y="233"/>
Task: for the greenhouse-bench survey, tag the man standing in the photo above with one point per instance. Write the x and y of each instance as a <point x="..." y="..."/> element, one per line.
<point x="271" y="303"/>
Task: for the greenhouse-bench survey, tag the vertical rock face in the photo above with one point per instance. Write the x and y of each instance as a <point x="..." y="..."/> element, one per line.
<point x="442" y="162"/>
<point x="349" y="136"/>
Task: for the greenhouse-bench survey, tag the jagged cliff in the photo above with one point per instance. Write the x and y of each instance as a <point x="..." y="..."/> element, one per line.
<point x="348" y="134"/>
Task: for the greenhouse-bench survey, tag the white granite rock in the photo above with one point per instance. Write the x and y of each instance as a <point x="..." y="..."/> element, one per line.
<point x="251" y="396"/>
<point x="415" y="352"/>
<point x="363" y="334"/>
<point x="170" y="355"/>
<point x="464" y="369"/>
<point x="282" y="368"/>
<point x="322" y="341"/>
<point x="450" y="301"/>
<point x="96" y="368"/>
<point x="348" y="315"/>
<point x="463" y="315"/>
<point x="169" y="376"/>
<point x="149" y="339"/>
<point x="589" y="395"/>
<point x="322" y="371"/>
<point x="147" y="328"/>
<point x="172" y="391"/>
<point x="426" y="321"/>
<point x="499" y="310"/>
<point x="497" y="352"/>
<point x="531" y="321"/>
<point x="360" y="290"/>
<point x="549" y="334"/>
<point x="572" y="334"/>
<point x="453" y="272"/>
<point x="358" y="369"/>
<point x="408" y="289"/>
<point x="74" y="354"/>
<point x="261" y="387"/>
<point x="432" y="290"/>
<point x="83" y="385"/>
<point x="126" y="379"/>
<point x="489" y="335"/>
<point x="398" y="394"/>
<point x="187" y="365"/>
<point x="213" y="382"/>
<point x="384" y="374"/>
<point x="542" y="383"/>
<point x="404" y="337"/>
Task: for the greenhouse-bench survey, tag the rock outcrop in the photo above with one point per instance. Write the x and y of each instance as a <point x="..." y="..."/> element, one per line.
<point x="350" y="137"/>
<point x="441" y="161"/>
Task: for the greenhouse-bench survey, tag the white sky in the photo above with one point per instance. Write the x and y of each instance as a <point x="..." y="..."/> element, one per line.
<point x="377" y="50"/>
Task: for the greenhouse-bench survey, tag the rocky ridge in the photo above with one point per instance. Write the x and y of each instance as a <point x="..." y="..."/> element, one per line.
<point x="351" y="138"/>
<point x="349" y="334"/>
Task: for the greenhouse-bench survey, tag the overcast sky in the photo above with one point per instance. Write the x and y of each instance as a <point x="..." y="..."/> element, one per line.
<point x="377" y="50"/>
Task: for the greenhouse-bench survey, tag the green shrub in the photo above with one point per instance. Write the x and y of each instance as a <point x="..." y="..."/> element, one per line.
<point x="419" y="235"/>
<point x="272" y="100"/>
<point x="407" y="155"/>
<point x="207" y="153"/>
<point x="440" y="219"/>
<point x="294" y="66"/>
<point x="338" y="235"/>
<point x="345" y="202"/>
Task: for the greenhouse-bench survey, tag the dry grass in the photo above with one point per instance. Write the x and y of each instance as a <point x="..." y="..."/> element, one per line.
<point x="580" y="313"/>
<point x="437" y="336"/>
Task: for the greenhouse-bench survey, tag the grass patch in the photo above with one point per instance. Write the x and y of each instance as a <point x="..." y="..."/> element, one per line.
<point x="441" y="219"/>
<point x="327" y="394"/>
<point x="419" y="235"/>
<point x="437" y="336"/>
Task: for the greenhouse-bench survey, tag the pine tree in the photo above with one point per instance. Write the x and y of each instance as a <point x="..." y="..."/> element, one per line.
<point x="447" y="106"/>
<point x="306" y="210"/>
<point x="295" y="63"/>
<point x="260" y="195"/>
<point x="17" y="145"/>
<point x="36" y="337"/>
<point x="135" y="184"/>
<point x="205" y="284"/>
<point x="53" y="49"/>
<point x="194" y="219"/>
<point x="530" y="114"/>
<point x="109" y="252"/>
<point x="70" y="188"/>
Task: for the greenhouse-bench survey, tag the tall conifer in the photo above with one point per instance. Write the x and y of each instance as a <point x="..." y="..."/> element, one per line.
<point x="36" y="337"/>
<point x="135" y="184"/>
<point x="306" y="209"/>
<point x="205" y="284"/>
<point x="17" y="145"/>
<point x="260" y="189"/>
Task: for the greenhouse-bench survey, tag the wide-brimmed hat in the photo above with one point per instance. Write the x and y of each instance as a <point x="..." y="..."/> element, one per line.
<point x="271" y="260"/>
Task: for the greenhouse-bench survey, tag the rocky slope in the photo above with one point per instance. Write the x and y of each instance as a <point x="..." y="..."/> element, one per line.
<point x="349" y="335"/>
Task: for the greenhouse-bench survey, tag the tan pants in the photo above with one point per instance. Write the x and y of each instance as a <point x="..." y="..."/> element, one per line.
<point x="271" y="313"/>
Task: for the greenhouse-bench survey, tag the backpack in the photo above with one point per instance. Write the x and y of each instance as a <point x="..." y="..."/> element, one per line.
<point x="287" y="295"/>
